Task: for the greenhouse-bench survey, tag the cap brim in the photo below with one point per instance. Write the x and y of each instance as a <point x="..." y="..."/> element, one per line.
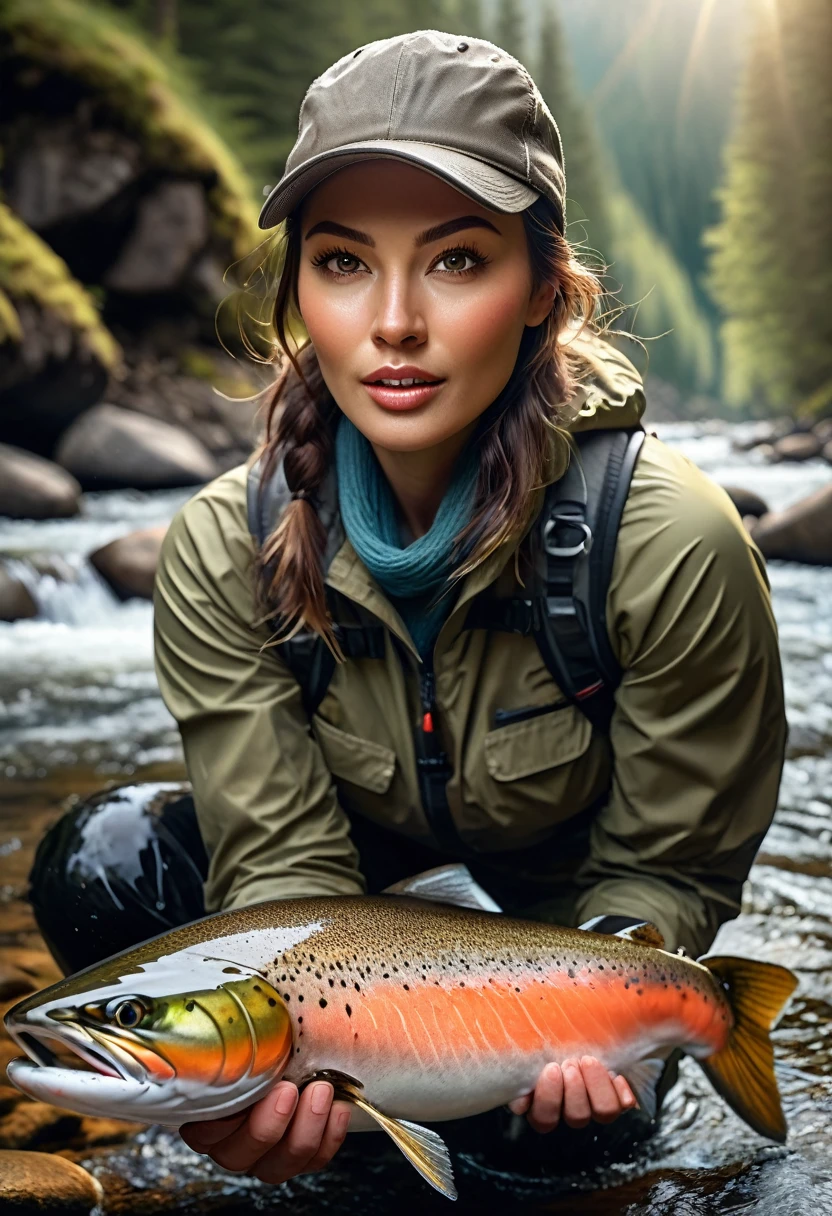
<point x="481" y="181"/>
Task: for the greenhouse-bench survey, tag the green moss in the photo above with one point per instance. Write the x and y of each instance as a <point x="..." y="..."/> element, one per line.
<point x="30" y="270"/>
<point x="152" y="98"/>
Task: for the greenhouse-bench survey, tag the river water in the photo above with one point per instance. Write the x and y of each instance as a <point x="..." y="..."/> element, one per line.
<point x="79" y="696"/>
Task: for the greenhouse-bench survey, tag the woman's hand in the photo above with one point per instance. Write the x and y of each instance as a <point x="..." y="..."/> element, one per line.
<point x="278" y="1137"/>
<point x="579" y="1090"/>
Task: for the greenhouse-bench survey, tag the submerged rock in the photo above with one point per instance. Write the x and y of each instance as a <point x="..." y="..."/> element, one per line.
<point x="113" y="448"/>
<point x="799" y="446"/>
<point x="16" y="602"/>
<point x="34" y="488"/>
<point x="32" y="1183"/>
<point x="802" y="533"/>
<point x="129" y="563"/>
<point x="746" y="501"/>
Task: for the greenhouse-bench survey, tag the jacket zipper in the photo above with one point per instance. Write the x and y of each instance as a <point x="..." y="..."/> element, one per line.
<point x="434" y="767"/>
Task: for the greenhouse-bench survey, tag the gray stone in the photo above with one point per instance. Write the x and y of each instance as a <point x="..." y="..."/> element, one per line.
<point x="826" y="452"/>
<point x="108" y="448"/>
<point x="823" y="430"/>
<point x="172" y="224"/>
<point x="746" y="502"/>
<point x="16" y="603"/>
<point x="32" y="1184"/>
<point x="802" y="533"/>
<point x="799" y="446"/>
<point x="129" y="563"/>
<point x="34" y="488"/>
<point x="764" y="433"/>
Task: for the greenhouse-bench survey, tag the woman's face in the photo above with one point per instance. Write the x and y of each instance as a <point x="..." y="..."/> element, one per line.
<point x="424" y="277"/>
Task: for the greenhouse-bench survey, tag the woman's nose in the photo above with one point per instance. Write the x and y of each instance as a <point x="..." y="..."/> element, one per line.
<point x="400" y="315"/>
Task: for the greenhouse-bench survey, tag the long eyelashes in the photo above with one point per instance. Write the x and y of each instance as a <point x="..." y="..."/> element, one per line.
<point x="471" y="250"/>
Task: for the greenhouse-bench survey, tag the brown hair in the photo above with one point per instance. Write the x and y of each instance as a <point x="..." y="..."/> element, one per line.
<point x="301" y="417"/>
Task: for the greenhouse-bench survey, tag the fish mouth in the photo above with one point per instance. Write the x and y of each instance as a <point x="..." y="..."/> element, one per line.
<point x="93" y="1057"/>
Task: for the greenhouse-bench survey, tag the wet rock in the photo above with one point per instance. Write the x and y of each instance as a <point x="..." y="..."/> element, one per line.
<point x="9" y="1098"/>
<point x="34" y="488"/>
<point x="129" y="563"/>
<point x="16" y="602"/>
<point x="803" y="533"/>
<point x="113" y="448"/>
<point x="746" y="501"/>
<point x="171" y="226"/>
<point x="31" y="1124"/>
<point x="823" y="430"/>
<point x="826" y="452"/>
<point x="768" y="432"/>
<point x="798" y="446"/>
<point x="35" y="1183"/>
<point x="14" y="982"/>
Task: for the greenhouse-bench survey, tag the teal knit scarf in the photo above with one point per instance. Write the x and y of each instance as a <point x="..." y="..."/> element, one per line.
<point x="410" y="576"/>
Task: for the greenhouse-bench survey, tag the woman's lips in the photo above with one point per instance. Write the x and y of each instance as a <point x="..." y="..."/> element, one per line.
<point x="402" y="398"/>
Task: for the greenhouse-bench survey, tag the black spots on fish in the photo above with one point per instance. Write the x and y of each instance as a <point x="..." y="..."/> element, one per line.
<point x="406" y="987"/>
<point x="357" y="986"/>
<point x="231" y="971"/>
<point x="297" y="1051"/>
<point x="462" y="984"/>
<point x="322" y="1002"/>
<point x="283" y="978"/>
<point x="571" y="973"/>
<point x="300" y="996"/>
<point x="189" y="1005"/>
<point x="639" y="992"/>
<point x="600" y="966"/>
<point x="343" y="983"/>
<point x="311" y="958"/>
<point x="300" y="1020"/>
<point x="318" y="975"/>
<point x="338" y="964"/>
<point x="516" y="989"/>
<point x="348" y="1011"/>
<point x="386" y="975"/>
<point x="272" y="1001"/>
<point x="230" y="1020"/>
<point x="286" y="996"/>
<point x="257" y="988"/>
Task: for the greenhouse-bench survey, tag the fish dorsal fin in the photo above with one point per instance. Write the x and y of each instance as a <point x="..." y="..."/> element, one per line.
<point x="643" y="934"/>
<point x="643" y="1078"/>
<point x="424" y="1149"/>
<point x="453" y="884"/>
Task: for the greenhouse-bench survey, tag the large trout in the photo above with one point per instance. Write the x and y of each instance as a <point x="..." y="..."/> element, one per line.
<point x="413" y="1006"/>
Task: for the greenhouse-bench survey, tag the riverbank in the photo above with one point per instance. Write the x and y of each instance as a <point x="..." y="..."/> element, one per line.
<point x="81" y="709"/>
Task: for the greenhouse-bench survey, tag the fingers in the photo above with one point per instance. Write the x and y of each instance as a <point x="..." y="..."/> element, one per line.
<point x="602" y="1095"/>
<point x="316" y="1133"/>
<point x="266" y="1123"/>
<point x="520" y="1105"/>
<point x="547" y="1100"/>
<point x="200" y="1136"/>
<point x="625" y="1094"/>
<point x="576" y="1108"/>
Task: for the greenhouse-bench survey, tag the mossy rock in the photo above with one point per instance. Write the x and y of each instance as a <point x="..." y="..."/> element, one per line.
<point x="63" y="48"/>
<point x="55" y="352"/>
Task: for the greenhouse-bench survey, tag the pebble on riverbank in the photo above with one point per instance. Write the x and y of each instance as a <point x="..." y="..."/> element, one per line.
<point x="33" y="1183"/>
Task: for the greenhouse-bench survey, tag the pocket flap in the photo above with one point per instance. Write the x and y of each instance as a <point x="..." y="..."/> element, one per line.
<point x="359" y="761"/>
<point x="539" y="743"/>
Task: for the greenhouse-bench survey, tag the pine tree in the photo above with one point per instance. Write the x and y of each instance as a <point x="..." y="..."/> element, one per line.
<point x="509" y="32"/>
<point x="586" y="186"/>
<point x="467" y="18"/>
<point x="771" y="269"/>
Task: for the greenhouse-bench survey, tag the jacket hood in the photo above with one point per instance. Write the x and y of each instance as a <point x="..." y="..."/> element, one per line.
<point x="612" y="395"/>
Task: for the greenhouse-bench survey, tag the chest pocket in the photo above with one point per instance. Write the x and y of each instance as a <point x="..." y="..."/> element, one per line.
<point x="358" y="761"/>
<point x="532" y="775"/>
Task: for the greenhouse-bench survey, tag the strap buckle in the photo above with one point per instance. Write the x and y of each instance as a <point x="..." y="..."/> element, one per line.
<point x="567" y="521"/>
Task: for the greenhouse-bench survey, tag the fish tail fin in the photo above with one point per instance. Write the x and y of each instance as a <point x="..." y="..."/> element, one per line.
<point x="742" y="1072"/>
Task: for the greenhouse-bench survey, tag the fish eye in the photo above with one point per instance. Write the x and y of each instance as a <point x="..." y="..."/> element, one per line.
<point x="126" y="1012"/>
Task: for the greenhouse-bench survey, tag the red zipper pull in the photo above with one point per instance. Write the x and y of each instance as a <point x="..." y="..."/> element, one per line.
<point x="427" y="723"/>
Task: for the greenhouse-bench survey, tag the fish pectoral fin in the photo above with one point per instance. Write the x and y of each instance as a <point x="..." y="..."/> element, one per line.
<point x="452" y="884"/>
<point x="643" y="1078"/>
<point x="425" y="1151"/>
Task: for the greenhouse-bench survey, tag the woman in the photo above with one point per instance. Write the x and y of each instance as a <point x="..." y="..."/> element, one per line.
<point x="424" y="207"/>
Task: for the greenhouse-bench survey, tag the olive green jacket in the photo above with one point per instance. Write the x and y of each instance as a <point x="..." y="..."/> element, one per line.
<point x="687" y="780"/>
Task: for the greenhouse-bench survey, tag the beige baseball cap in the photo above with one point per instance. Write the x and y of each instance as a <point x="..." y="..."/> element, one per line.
<point x="460" y="107"/>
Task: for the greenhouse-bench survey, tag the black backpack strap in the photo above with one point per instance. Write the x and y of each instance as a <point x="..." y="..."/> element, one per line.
<point x="573" y="548"/>
<point x="307" y="656"/>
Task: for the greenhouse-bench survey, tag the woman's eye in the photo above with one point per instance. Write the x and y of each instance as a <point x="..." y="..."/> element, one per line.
<point x="456" y="261"/>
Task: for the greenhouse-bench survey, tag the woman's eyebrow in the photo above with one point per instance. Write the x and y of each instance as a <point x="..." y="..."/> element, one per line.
<point x="424" y="238"/>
